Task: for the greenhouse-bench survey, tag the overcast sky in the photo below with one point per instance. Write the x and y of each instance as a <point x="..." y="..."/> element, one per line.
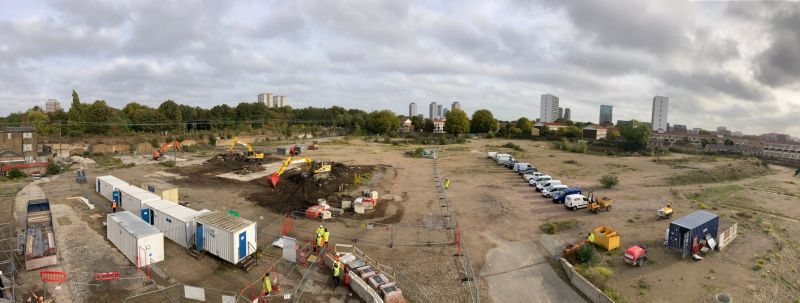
<point x="734" y="64"/>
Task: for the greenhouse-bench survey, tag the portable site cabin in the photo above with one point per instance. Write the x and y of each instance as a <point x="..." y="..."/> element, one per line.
<point x="106" y="186"/>
<point x="132" y="198"/>
<point x="141" y="243"/>
<point x="685" y="233"/>
<point x="225" y="236"/>
<point x="174" y="220"/>
<point x="167" y="191"/>
<point x="149" y="209"/>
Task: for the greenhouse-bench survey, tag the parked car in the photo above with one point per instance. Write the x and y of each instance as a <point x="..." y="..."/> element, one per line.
<point x="510" y="164"/>
<point x="553" y="189"/>
<point x="532" y="175"/>
<point x="559" y="197"/>
<point x="545" y="178"/>
<point x="542" y="185"/>
<point x="502" y="157"/>
<point x="530" y="169"/>
<point x="574" y="202"/>
<point x="520" y="166"/>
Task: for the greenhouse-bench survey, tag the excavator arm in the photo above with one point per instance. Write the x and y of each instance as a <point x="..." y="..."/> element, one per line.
<point x="274" y="178"/>
<point x="251" y="153"/>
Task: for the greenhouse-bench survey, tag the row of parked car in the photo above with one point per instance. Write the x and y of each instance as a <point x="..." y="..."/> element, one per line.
<point x="571" y="197"/>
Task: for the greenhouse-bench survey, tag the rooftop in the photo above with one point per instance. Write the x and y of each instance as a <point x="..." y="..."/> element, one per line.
<point x="11" y="129"/>
<point x="224" y="221"/>
<point x="695" y="219"/>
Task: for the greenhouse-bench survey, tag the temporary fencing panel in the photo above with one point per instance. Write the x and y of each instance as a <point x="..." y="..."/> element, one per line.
<point x="136" y="239"/>
<point x="107" y="185"/>
<point x="222" y="236"/>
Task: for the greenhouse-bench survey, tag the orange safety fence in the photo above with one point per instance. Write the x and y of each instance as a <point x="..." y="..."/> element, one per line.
<point x="53" y="276"/>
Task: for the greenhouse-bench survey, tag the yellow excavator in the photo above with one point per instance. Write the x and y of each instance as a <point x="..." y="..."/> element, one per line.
<point x="251" y="154"/>
<point x="315" y="167"/>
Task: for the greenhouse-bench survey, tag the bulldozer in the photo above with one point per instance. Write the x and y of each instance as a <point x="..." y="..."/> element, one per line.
<point x="159" y="152"/>
<point x="314" y="167"/>
<point x="251" y="154"/>
<point x="596" y="204"/>
<point x="665" y="212"/>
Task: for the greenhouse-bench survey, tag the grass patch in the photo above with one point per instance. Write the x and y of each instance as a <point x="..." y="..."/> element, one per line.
<point x="513" y="146"/>
<point x="722" y="173"/>
<point x="557" y="226"/>
<point x="106" y="160"/>
<point x="167" y="163"/>
<point x="570" y="161"/>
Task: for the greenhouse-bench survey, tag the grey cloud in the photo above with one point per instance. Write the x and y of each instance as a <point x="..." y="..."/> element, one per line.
<point x="94" y="13"/>
<point x="715" y="84"/>
<point x="779" y="64"/>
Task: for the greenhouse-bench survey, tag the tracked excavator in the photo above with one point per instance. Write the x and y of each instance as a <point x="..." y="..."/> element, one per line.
<point x="250" y="155"/>
<point x="314" y="167"/>
<point x="159" y="152"/>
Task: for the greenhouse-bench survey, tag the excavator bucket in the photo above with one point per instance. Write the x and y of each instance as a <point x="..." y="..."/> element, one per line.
<point x="273" y="180"/>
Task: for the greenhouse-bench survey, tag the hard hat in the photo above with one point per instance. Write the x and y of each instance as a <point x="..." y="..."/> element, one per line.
<point x="320" y="226"/>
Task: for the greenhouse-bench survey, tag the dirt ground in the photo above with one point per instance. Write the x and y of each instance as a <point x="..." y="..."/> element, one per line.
<point x="499" y="215"/>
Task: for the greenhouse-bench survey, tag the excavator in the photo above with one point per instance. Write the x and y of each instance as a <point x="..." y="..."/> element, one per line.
<point x="159" y="152"/>
<point x="315" y="167"/>
<point x="251" y="154"/>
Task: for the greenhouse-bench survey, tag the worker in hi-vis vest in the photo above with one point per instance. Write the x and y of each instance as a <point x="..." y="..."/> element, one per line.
<point x="337" y="272"/>
<point x="267" y="286"/>
<point x="325" y="236"/>
<point x="591" y="238"/>
<point x="318" y="233"/>
<point x="446" y="183"/>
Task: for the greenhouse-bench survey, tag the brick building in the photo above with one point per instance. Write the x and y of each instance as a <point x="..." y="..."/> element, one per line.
<point x="18" y="142"/>
<point x="782" y="150"/>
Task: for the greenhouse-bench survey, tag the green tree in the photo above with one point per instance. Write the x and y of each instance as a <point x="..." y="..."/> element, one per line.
<point x="417" y="121"/>
<point x="172" y="113"/>
<point x="525" y="125"/>
<point x="483" y="121"/>
<point x="75" y="116"/>
<point x="382" y="122"/>
<point x="40" y="121"/>
<point x="609" y="181"/>
<point x="729" y="142"/>
<point x="704" y="142"/>
<point x="428" y="126"/>
<point x="571" y="132"/>
<point x="637" y="133"/>
<point x="613" y="134"/>
<point x="456" y="122"/>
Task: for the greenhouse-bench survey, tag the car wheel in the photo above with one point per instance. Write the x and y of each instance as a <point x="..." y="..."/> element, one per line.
<point x="574" y="208"/>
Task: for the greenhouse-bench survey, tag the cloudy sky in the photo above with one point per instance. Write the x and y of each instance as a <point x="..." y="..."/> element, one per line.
<point x="734" y="64"/>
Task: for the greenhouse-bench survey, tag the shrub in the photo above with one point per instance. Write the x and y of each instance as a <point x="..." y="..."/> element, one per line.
<point x="609" y="181"/>
<point x="556" y="226"/>
<point x="598" y="275"/>
<point x="168" y="163"/>
<point x="417" y="153"/>
<point x="513" y="146"/>
<point x="548" y="228"/>
<point x="15" y="174"/>
<point x="490" y="135"/>
<point x="54" y="169"/>
<point x="586" y="254"/>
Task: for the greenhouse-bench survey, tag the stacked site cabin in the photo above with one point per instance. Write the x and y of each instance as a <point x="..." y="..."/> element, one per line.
<point x="107" y="185"/>
<point x="141" y="243"/>
<point x="165" y="190"/>
<point x="174" y="220"/>
<point x="684" y="232"/>
<point x="227" y="237"/>
<point x="132" y="198"/>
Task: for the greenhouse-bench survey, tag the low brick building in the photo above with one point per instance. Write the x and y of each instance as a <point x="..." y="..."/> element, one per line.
<point x="16" y="142"/>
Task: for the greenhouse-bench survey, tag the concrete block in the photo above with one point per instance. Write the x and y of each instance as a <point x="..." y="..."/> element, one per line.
<point x="375" y="281"/>
<point x="365" y="272"/>
<point x="363" y="290"/>
<point x="347" y="204"/>
<point x="391" y="293"/>
<point x="359" y="208"/>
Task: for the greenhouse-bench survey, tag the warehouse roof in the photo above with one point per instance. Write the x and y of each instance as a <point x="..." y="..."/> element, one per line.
<point x="695" y="219"/>
<point x="224" y="221"/>
<point x="133" y="224"/>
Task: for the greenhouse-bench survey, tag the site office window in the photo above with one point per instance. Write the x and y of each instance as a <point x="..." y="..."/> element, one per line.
<point x="27" y="135"/>
<point x="27" y="147"/>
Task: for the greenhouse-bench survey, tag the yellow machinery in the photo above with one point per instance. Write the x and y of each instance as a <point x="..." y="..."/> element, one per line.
<point x="315" y="167"/>
<point x="251" y="154"/>
<point x="665" y="212"/>
<point x="605" y="237"/>
<point x="596" y="204"/>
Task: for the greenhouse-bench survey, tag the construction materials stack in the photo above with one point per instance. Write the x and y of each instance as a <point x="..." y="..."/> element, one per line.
<point x="40" y="243"/>
<point x="141" y="243"/>
<point x="366" y="282"/>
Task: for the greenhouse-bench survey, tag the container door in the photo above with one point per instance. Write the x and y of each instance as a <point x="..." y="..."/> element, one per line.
<point x="146" y="215"/>
<point x="97" y="188"/>
<point x="242" y="245"/>
<point x="115" y="196"/>
<point x="152" y="217"/>
<point x="199" y="237"/>
<point x="686" y="248"/>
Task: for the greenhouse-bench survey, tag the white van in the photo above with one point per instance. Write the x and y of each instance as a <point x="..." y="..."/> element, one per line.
<point x="502" y="157"/>
<point x="550" y="191"/>
<point x="540" y="186"/>
<point x="576" y="201"/>
<point x="491" y="155"/>
<point x="535" y="181"/>
<point x="520" y="166"/>
<point x="532" y="175"/>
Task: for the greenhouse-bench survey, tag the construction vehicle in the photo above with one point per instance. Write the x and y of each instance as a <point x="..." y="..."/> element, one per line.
<point x="596" y="204"/>
<point x="251" y="153"/>
<point x="160" y="152"/>
<point x="295" y="150"/>
<point x="665" y="212"/>
<point x="606" y="237"/>
<point x="635" y="255"/>
<point x="315" y="167"/>
<point x="314" y="145"/>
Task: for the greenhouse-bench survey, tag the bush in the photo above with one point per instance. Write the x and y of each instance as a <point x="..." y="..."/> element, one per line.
<point x="54" y="169"/>
<point x="598" y="275"/>
<point x="556" y="226"/>
<point x="609" y="181"/>
<point x="417" y="153"/>
<point x="586" y="254"/>
<point x="15" y="174"/>
<point x="513" y="146"/>
<point x="490" y="135"/>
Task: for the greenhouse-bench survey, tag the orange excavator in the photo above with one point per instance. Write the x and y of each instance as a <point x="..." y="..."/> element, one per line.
<point x="159" y="152"/>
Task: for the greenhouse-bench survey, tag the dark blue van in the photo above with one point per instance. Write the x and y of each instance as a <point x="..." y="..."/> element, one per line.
<point x="559" y="198"/>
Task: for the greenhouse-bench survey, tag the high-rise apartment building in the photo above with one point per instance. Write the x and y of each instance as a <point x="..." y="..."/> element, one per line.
<point x="439" y="112"/>
<point x="606" y="115"/>
<point x="281" y="101"/>
<point x="658" y="120"/>
<point x="432" y="111"/>
<point x="548" y="109"/>
<point x="456" y="105"/>
<point x="412" y="109"/>
<point x="444" y="112"/>
<point x="567" y="114"/>
<point x="52" y="106"/>
<point x="265" y="98"/>
<point x="560" y="112"/>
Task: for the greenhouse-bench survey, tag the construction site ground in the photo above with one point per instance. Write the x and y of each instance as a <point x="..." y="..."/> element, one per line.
<point x="498" y="214"/>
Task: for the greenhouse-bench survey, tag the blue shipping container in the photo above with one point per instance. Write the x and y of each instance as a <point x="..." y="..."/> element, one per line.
<point x="683" y="231"/>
